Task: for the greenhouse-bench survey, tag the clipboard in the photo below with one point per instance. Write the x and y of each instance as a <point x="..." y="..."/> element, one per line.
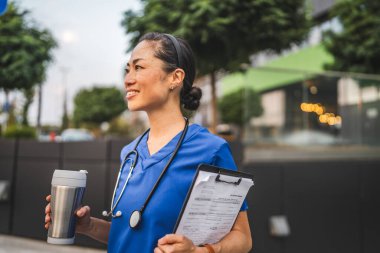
<point x="212" y="204"/>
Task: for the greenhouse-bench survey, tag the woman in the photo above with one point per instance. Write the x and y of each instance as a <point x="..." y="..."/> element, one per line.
<point x="159" y="78"/>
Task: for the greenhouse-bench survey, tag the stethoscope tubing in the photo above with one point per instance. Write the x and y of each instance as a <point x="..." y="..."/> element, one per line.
<point x="114" y="204"/>
<point x="179" y="143"/>
<point x="127" y="157"/>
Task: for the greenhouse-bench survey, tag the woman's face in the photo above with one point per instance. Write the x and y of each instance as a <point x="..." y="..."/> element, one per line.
<point x="146" y="84"/>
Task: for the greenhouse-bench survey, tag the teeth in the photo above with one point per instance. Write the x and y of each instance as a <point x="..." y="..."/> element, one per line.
<point x="130" y="93"/>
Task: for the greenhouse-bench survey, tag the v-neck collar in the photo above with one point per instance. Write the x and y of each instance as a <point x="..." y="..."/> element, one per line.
<point x="148" y="160"/>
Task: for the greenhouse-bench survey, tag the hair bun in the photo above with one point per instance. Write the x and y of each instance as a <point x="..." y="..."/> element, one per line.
<point x="191" y="100"/>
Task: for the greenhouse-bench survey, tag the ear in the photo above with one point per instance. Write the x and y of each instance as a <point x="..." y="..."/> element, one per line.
<point x="178" y="75"/>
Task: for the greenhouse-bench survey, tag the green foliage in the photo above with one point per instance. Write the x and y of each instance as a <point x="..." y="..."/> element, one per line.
<point x="22" y="132"/>
<point x="240" y="106"/>
<point x="223" y="33"/>
<point x="97" y="105"/>
<point x="357" y="47"/>
<point x="25" y="52"/>
<point x="119" y="127"/>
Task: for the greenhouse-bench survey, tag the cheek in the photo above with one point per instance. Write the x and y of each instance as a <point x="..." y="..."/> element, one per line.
<point x="155" y="84"/>
<point x="157" y="93"/>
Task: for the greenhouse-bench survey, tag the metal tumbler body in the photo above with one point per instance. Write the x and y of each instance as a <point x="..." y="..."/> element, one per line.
<point x="67" y="192"/>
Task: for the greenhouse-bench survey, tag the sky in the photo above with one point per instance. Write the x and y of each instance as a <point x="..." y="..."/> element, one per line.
<point x="92" y="49"/>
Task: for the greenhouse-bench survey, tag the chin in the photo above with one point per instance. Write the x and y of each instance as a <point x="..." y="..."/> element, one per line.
<point x="133" y="107"/>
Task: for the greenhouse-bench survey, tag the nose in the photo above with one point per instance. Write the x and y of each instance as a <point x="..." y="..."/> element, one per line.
<point x="129" y="79"/>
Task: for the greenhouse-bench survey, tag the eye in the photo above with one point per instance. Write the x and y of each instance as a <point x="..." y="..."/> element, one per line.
<point x="137" y="67"/>
<point x="126" y="70"/>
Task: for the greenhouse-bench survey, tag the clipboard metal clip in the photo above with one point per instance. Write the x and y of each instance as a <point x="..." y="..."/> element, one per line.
<point x="217" y="179"/>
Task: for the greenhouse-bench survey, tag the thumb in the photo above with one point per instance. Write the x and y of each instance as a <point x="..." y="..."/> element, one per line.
<point x="83" y="211"/>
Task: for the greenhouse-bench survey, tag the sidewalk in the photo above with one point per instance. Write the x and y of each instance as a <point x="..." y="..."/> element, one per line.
<point x="12" y="244"/>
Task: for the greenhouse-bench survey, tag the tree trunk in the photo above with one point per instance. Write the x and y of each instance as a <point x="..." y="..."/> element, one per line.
<point x="214" y="109"/>
<point x="29" y="93"/>
<point x="39" y="107"/>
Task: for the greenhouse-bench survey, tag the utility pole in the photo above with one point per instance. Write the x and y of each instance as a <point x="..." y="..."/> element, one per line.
<point x="39" y="108"/>
<point x="65" y="117"/>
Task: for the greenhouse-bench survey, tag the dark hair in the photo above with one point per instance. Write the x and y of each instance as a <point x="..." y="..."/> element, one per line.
<point x="190" y="96"/>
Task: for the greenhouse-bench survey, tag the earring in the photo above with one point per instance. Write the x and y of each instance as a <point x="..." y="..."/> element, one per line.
<point x="172" y="87"/>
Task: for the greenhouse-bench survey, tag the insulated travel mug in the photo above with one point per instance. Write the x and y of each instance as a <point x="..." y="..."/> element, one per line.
<point x="67" y="189"/>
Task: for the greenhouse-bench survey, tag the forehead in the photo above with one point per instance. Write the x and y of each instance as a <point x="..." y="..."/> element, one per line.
<point x="144" y="50"/>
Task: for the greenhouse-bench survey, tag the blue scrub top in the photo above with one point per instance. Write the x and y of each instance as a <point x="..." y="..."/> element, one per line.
<point x="161" y="212"/>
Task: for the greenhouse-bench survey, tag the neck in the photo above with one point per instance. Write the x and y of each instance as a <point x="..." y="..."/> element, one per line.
<point x="165" y="124"/>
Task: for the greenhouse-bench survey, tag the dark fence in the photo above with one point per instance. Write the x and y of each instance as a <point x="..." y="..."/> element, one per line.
<point x="27" y="167"/>
<point x="331" y="206"/>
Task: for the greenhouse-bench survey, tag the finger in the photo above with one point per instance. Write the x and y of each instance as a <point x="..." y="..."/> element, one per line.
<point x="47" y="218"/>
<point x="47" y="225"/>
<point x="171" y="238"/>
<point x="83" y="211"/>
<point x="157" y="250"/>
<point x="48" y="198"/>
<point x="48" y="209"/>
<point x="167" y="248"/>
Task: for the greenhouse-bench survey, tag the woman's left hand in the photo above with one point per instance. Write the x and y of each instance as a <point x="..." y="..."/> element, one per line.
<point x="175" y="244"/>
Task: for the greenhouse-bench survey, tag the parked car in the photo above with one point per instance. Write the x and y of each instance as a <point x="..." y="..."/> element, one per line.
<point x="76" y="134"/>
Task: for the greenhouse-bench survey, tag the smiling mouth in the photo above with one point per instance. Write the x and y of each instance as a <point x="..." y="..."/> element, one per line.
<point x="131" y="93"/>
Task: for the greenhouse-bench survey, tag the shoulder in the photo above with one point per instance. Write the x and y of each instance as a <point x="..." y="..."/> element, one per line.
<point x="202" y="141"/>
<point x="198" y="134"/>
<point x="214" y="149"/>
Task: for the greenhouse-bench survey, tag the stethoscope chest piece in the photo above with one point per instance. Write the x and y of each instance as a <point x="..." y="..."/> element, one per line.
<point x="135" y="219"/>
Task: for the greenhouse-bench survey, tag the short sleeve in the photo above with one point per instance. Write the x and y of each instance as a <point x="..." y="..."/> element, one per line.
<point x="223" y="158"/>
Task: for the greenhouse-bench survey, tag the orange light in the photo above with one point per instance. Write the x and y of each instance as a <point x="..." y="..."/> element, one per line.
<point x="331" y="121"/>
<point x="323" y="118"/>
<point x="319" y="111"/>
<point x="304" y="107"/>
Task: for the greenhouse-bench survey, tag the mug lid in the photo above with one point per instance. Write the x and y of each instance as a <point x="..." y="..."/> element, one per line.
<point x="70" y="174"/>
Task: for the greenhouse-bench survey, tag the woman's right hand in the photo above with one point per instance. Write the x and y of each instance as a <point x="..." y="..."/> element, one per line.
<point x="48" y="212"/>
<point x="83" y="222"/>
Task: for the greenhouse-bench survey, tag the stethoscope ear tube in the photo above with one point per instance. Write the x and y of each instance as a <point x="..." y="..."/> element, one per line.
<point x="117" y="214"/>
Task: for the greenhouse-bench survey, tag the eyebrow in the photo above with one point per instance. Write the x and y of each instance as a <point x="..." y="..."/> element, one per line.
<point x="135" y="61"/>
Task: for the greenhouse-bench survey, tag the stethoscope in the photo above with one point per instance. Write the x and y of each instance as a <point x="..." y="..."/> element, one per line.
<point x="136" y="216"/>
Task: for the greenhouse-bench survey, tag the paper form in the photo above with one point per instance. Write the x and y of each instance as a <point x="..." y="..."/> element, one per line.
<point x="212" y="207"/>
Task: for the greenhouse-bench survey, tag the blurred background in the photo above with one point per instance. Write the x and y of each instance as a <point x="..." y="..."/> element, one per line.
<point x="293" y="86"/>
